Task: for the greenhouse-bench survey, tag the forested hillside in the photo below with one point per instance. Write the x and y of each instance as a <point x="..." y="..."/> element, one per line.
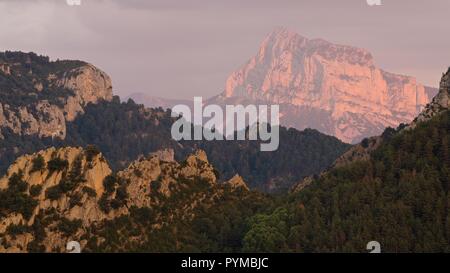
<point x="400" y="198"/>
<point x="125" y="130"/>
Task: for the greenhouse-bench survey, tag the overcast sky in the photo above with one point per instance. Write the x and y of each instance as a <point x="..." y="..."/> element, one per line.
<point x="181" y="48"/>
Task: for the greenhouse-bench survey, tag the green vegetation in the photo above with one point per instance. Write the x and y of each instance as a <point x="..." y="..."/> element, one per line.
<point x="53" y="193"/>
<point x="314" y="149"/>
<point x="18" y="88"/>
<point x="124" y="131"/>
<point x="69" y="182"/>
<point x="400" y="198"/>
<point x="68" y="227"/>
<point x="114" y="186"/>
<point x="74" y="178"/>
<point x="38" y="164"/>
<point x="16" y="183"/>
<point x="17" y="229"/>
<point x="15" y="199"/>
<point x="121" y="131"/>
<point x="35" y="190"/>
<point x="110" y="183"/>
<point x="155" y="186"/>
<point x="300" y="154"/>
<point x="91" y="151"/>
<point x="218" y="223"/>
<point x="57" y="165"/>
<point x="89" y="191"/>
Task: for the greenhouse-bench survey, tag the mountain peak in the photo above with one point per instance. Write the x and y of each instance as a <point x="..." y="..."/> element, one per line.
<point x="283" y="41"/>
<point x="283" y="33"/>
<point x="333" y="88"/>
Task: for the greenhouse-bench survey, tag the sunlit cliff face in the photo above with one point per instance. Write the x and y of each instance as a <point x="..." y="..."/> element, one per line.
<point x="355" y="98"/>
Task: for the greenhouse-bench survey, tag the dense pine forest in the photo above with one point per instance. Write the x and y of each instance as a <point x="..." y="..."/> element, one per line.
<point x="400" y="197"/>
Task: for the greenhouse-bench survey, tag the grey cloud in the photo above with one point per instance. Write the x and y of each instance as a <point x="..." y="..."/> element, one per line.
<point x="174" y="48"/>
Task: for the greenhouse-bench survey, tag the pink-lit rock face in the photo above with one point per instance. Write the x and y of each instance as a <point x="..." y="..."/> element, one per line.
<point x="333" y="88"/>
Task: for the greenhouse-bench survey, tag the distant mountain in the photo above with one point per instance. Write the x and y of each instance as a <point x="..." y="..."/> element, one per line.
<point x="439" y="104"/>
<point x="335" y="89"/>
<point x="155" y="102"/>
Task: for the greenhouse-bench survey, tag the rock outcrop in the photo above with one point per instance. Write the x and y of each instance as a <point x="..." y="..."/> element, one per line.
<point x="440" y="103"/>
<point x="69" y="190"/>
<point x="89" y="83"/>
<point x="66" y="183"/>
<point x="90" y="172"/>
<point x="164" y="175"/>
<point x="38" y="96"/>
<point x="335" y="89"/>
<point x="236" y="182"/>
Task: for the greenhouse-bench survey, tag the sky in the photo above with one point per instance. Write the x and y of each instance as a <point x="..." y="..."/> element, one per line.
<point x="182" y="48"/>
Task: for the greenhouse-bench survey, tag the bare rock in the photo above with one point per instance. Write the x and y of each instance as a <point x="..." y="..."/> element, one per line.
<point x="440" y="103"/>
<point x="237" y="182"/>
<point x="89" y="85"/>
<point x="335" y="89"/>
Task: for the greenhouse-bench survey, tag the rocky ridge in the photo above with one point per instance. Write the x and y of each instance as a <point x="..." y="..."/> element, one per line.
<point x="39" y="96"/>
<point x="69" y="190"/>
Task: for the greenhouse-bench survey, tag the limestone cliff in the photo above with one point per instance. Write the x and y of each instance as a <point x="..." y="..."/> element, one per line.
<point x="237" y="182"/>
<point x="38" y="96"/>
<point x="335" y="89"/>
<point x="439" y="104"/>
<point x="65" y="182"/>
